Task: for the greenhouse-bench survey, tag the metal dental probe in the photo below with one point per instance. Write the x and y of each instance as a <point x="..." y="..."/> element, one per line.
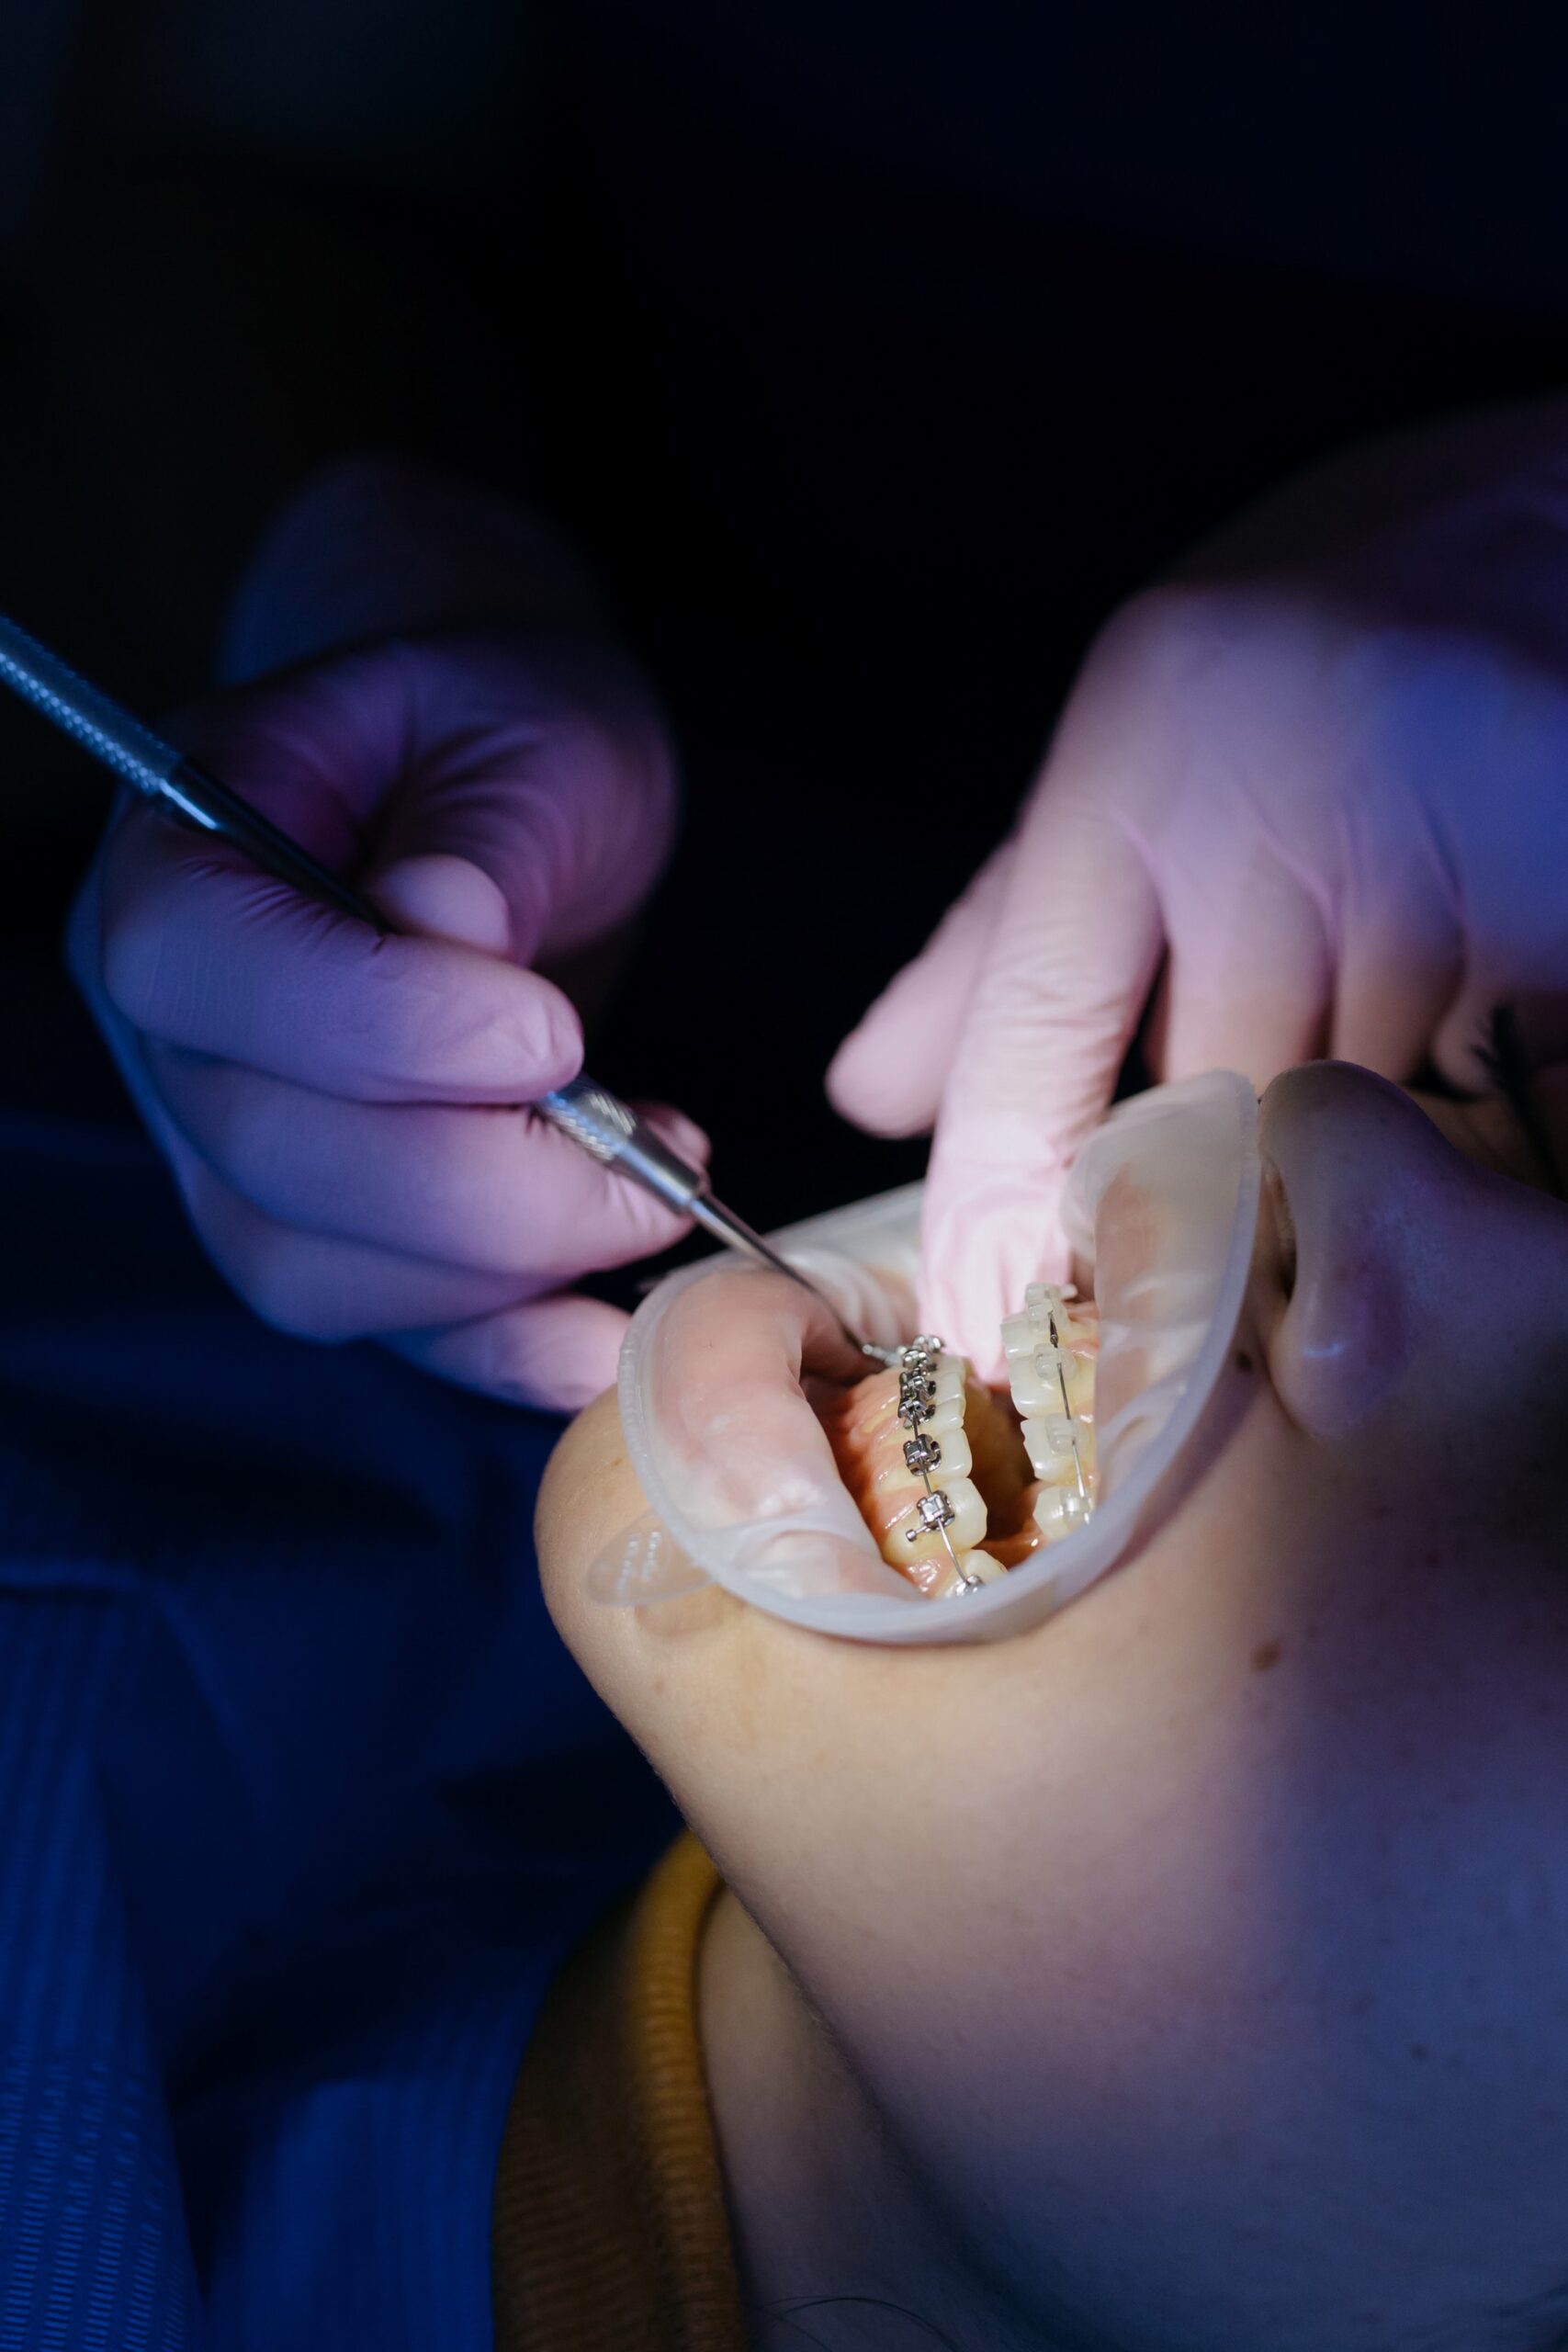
<point x="593" y="1117"/>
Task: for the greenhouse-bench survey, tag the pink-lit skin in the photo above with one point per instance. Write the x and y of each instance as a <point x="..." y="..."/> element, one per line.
<point x="1187" y="1972"/>
<point x="868" y="1439"/>
<point x="1308" y="789"/>
<point x="345" y="1114"/>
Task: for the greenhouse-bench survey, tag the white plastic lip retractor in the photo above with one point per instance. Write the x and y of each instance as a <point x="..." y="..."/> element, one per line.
<point x="1162" y="1208"/>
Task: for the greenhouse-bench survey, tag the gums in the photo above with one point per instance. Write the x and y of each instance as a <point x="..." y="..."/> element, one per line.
<point x="1018" y="1472"/>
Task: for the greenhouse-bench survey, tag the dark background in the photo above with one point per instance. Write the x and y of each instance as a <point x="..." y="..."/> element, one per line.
<point x="874" y="353"/>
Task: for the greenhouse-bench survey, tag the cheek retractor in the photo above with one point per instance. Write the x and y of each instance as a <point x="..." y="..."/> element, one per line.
<point x="793" y="1495"/>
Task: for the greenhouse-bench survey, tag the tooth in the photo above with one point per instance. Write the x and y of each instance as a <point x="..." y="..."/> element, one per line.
<point x="908" y="1441"/>
<point x="1057" y="1511"/>
<point x="978" y="1568"/>
<point x="950" y="1459"/>
<point x="1075" y="1318"/>
<point x="1050" y="1377"/>
<point x="1020" y="1336"/>
<point x="1044" y="1300"/>
<point x="1036" y="1379"/>
<point x="1059" y="1448"/>
<point x="942" y="1401"/>
<point x="963" y="1529"/>
<point x="904" y="1454"/>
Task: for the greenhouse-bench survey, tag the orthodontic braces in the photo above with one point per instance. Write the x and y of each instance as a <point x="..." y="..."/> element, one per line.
<point x="934" y="1513"/>
<point x="1046" y="1308"/>
<point x="1048" y="1300"/>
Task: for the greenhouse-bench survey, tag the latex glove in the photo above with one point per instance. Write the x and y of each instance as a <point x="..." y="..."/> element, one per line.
<point x="340" y="1109"/>
<point x="1315" y="788"/>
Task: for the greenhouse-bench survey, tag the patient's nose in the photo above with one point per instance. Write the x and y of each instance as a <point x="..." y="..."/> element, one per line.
<point x="1372" y="1207"/>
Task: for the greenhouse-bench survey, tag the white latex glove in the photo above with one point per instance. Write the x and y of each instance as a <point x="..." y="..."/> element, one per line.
<point x="1315" y="788"/>
<point x="340" y="1109"/>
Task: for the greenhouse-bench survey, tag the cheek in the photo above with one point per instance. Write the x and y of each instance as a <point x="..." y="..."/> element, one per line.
<point x="916" y="1799"/>
<point x="1220" y="1867"/>
<point x="1042" y="1821"/>
<point x="1073" y="1819"/>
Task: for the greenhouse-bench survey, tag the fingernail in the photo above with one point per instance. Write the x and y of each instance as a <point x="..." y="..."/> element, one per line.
<point x="551" y="1039"/>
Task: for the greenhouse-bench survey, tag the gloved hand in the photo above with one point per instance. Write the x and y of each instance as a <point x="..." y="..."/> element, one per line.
<point x="340" y="1109"/>
<point x="1314" y="792"/>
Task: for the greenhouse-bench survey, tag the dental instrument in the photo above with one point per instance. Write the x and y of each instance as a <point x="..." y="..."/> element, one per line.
<point x="596" y="1120"/>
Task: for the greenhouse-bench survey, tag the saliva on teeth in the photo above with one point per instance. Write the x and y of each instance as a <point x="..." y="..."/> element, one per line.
<point x="957" y="1489"/>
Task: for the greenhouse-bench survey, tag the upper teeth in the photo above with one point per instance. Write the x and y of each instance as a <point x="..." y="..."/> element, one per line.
<point x="930" y="1387"/>
<point x="1051" y="1349"/>
<point x="912" y="1432"/>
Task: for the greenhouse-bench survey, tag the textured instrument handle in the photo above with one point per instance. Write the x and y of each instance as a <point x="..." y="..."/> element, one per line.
<point x="95" y="719"/>
<point x="604" y="1125"/>
<point x="595" y="1119"/>
<point x="592" y="1116"/>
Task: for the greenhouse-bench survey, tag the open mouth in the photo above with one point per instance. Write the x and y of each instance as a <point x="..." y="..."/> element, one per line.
<point x="846" y="1508"/>
<point x="957" y="1482"/>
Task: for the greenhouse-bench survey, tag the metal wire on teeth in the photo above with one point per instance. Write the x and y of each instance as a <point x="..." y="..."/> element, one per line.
<point x="1048" y="1300"/>
<point x="934" y="1513"/>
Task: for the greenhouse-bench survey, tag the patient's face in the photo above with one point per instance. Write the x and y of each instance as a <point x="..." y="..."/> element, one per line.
<point x="1211" y="1938"/>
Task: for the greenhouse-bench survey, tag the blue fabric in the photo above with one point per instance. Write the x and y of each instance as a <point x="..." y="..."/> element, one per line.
<point x="301" y="1801"/>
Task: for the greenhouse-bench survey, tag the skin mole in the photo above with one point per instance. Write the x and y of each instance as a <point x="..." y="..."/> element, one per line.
<point x="1267" y="1655"/>
<point x="1243" y="1359"/>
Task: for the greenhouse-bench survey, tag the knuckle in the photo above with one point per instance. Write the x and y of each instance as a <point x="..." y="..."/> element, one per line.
<point x="1177" y="661"/>
<point x="1167" y="633"/>
<point x="223" y="1110"/>
<point x="417" y="1037"/>
<point x="278" y="1281"/>
<point x="235" y="1123"/>
<point x="220" y="1124"/>
<point x="503" y="1362"/>
<point x="613" y="770"/>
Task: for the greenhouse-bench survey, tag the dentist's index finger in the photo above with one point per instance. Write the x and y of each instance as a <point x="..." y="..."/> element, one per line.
<point x="890" y="1073"/>
<point x="201" y="951"/>
<point x="1077" y="942"/>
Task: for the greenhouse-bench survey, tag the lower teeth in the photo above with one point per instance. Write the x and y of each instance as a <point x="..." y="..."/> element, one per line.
<point x="1033" y="1479"/>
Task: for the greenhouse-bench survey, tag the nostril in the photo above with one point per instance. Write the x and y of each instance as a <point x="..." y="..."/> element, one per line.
<point x="1342" y="1339"/>
<point x="1279" y="1203"/>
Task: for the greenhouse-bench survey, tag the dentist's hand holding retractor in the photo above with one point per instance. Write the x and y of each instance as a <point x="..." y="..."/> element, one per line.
<point x="434" y="707"/>
<point x="1312" y="794"/>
